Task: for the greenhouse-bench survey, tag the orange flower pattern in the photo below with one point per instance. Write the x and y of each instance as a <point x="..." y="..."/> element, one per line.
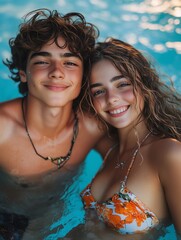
<point x="124" y="212"/>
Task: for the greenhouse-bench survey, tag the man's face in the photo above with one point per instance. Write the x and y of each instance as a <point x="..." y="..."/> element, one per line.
<point x="53" y="74"/>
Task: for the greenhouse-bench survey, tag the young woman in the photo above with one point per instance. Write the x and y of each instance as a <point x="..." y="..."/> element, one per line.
<point x="138" y="189"/>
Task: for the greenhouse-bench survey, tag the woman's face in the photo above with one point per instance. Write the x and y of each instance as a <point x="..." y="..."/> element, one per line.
<point x="112" y="95"/>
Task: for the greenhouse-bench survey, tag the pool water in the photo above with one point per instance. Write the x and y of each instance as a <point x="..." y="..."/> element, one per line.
<point x="153" y="26"/>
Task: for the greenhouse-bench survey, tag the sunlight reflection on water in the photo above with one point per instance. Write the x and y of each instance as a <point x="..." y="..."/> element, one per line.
<point x="151" y="25"/>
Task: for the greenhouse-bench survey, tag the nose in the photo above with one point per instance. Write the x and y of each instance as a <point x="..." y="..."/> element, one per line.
<point x="113" y="97"/>
<point x="56" y="71"/>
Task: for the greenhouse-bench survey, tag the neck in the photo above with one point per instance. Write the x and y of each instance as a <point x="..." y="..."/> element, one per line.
<point x="129" y="138"/>
<point x="47" y="121"/>
<point x="59" y="160"/>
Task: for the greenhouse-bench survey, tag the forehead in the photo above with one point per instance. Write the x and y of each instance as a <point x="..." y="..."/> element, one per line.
<point x="54" y="49"/>
<point x="103" y="70"/>
<point x="52" y="46"/>
<point x="60" y="42"/>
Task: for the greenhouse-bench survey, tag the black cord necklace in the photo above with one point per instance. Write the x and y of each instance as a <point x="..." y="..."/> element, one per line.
<point x="59" y="161"/>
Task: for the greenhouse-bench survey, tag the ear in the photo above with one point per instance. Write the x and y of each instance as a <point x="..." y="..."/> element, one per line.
<point x="22" y="75"/>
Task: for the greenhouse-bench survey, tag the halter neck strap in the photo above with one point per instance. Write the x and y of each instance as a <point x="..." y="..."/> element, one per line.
<point x="123" y="183"/>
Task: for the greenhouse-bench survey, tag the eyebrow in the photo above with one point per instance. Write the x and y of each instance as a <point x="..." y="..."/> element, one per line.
<point x="47" y="54"/>
<point x="111" y="80"/>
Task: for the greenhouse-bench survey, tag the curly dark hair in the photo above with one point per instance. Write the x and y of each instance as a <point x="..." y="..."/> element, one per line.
<point x="162" y="103"/>
<point x="42" y="25"/>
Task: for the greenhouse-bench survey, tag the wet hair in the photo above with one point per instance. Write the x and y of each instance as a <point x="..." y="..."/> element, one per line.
<point x="162" y="104"/>
<point x="43" y="25"/>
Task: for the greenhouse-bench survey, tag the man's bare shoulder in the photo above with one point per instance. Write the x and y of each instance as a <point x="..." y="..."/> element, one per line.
<point x="10" y="108"/>
<point x="90" y="123"/>
<point x="93" y="128"/>
<point x="10" y="114"/>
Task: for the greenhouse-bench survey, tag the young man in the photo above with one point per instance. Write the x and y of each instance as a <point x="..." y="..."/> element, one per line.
<point x="44" y="137"/>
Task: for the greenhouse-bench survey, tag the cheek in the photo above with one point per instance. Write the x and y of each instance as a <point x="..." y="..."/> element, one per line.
<point x="78" y="84"/>
<point x="76" y="78"/>
<point x="32" y="80"/>
<point x="129" y="96"/>
<point x="97" y="105"/>
<point x="77" y="90"/>
<point x="139" y="103"/>
<point x="78" y="73"/>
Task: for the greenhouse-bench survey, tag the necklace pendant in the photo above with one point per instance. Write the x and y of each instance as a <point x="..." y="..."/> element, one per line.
<point x="59" y="160"/>
<point x="117" y="165"/>
<point x="120" y="165"/>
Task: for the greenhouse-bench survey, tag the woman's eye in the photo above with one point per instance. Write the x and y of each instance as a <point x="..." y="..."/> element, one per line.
<point x="97" y="93"/>
<point x="124" y="84"/>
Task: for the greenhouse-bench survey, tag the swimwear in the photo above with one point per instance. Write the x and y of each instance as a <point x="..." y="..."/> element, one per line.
<point x="12" y="226"/>
<point x="123" y="212"/>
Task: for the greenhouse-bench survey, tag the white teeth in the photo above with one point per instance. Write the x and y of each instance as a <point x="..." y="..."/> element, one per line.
<point x="120" y="110"/>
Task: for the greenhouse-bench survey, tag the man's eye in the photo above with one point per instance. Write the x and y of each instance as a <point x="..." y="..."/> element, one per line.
<point x="97" y="93"/>
<point x="40" y="62"/>
<point x="70" y="63"/>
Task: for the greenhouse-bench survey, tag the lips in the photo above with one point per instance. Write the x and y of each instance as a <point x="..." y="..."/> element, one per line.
<point x="56" y="87"/>
<point x="118" y="111"/>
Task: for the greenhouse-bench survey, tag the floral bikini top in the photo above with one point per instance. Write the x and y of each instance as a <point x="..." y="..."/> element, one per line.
<point x="123" y="212"/>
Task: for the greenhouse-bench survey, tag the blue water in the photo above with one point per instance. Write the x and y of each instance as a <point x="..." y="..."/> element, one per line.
<point x="153" y="26"/>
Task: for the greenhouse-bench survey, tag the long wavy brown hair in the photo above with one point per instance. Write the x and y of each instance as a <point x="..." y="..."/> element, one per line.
<point x="162" y="104"/>
<point x="41" y="26"/>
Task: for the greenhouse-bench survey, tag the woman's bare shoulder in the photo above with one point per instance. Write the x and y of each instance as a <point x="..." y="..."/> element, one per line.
<point x="166" y="156"/>
<point x="166" y="148"/>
